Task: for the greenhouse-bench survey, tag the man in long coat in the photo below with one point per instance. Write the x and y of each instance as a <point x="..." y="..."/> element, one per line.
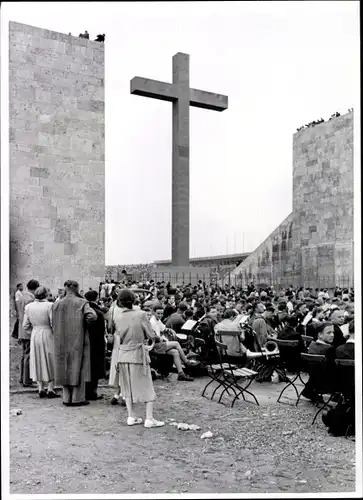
<point x="71" y="314"/>
<point x="97" y="331"/>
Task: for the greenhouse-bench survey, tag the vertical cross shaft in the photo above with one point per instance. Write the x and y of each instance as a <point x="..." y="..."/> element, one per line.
<point x="180" y="167"/>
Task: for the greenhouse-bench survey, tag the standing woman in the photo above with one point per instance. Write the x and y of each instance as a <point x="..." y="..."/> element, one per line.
<point x="38" y="322"/>
<point x="133" y="362"/>
<point x="114" y="379"/>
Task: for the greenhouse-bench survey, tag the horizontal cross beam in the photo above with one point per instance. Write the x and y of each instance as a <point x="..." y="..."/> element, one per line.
<point x="153" y="88"/>
<point x="168" y="92"/>
<point x="208" y="100"/>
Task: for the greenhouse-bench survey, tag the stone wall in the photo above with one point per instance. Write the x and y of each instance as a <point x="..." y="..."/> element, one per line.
<point x="57" y="164"/>
<point x="273" y="259"/>
<point x="319" y="250"/>
<point x="323" y="200"/>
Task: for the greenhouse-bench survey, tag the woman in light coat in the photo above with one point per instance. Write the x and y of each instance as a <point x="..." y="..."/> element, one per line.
<point x="133" y="361"/>
<point x="114" y="379"/>
<point x="38" y="322"/>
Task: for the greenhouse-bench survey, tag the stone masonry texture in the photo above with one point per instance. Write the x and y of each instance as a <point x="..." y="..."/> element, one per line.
<point x="319" y="240"/>
<point x="57" y="158"/>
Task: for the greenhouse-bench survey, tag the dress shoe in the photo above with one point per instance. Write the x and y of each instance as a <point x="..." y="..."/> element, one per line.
<point x="52" y="395"/>
<point x="80" y="403"/>
<point x="43" y="394"/>
<point x="114" y="401"/>
<point x="94" y="397"/>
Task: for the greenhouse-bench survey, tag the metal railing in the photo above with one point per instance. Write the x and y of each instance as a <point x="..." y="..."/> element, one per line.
<point x="240" y="281"/>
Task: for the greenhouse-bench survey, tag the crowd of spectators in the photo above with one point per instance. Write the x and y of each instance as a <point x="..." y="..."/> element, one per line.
<point x="325" y="316"/>
<point x="99" y="38"/>
<point x="321" y="120"/>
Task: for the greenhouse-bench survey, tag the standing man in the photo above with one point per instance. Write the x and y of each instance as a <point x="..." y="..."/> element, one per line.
<point x="72" y="345"/>
<point x="17" y="297"/>
<point x="97" y="332"/>
<point x="24" y="336"/>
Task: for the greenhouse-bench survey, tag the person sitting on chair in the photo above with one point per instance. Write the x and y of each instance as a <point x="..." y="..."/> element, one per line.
<point x="337" y="318"/>
<point x="235" y="347"/>
<point x="176" y="320"/>
<point x="164" y="346"/>
<point x="288" y="332"/>
<point x="346" y="351"/>
<point x="323" y="346"/>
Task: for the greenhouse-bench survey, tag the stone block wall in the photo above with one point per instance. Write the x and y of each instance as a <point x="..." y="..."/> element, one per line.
<point x="318" y="251"/>
<point x="57" y="158"/>
<point x="273" y="261"/>
<point x="323" y="200"/>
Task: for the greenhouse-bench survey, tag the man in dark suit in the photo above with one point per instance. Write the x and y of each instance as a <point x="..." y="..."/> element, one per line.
<point x="96" y="331"/>
<point x="337" y="317"/>
<point x="176" y="320"/>
<point x="300" y="313"/>
<point x="345" y="375"/>
<point x="289" y="333"/>
<point x="322" y="346"/>
<point x="346" y="351"/>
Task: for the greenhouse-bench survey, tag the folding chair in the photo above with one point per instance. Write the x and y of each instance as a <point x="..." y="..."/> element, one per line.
<point x="345" y="378"/>
<point x="345" y="383"/>
<point x="215" y="370"/>
<point x="289" y="353"/>
<point x="233" y="373"/>
<point x="316" y="366"/>
<point x="216" y="373"/>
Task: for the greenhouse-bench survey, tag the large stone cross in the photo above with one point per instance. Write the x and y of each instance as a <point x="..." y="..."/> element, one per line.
<point x="182" y="96"/>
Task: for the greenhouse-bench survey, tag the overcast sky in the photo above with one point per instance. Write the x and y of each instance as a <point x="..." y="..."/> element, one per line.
<point x="282" y="64"/>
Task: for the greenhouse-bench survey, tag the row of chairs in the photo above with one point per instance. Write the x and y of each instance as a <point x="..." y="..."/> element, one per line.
<point x="235" y="379"/>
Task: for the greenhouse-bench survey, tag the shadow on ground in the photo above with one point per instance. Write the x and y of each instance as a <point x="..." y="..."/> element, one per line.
<point x="271" y="448"/>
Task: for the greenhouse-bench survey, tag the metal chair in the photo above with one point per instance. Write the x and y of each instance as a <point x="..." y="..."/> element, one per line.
<point x="345" y="378"/>
<point x="289" y="352"/>
<point x="233" y="373"/>
<point x="316" y="366"/>
<point x="216" y="373"/>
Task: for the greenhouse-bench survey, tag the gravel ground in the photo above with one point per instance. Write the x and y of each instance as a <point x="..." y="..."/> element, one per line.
<point x="271" y="448"/>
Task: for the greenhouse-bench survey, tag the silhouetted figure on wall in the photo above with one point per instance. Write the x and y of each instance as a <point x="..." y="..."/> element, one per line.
<point x="85" y="35"/>
<point x="100" y="38"/>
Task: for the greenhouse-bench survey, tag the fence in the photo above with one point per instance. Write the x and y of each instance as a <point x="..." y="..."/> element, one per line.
<point x="260" y="281"/>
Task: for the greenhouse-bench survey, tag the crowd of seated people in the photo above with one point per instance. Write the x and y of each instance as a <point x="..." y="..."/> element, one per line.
<point x="257" y="315"/>
<point x="289" y="313"/>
